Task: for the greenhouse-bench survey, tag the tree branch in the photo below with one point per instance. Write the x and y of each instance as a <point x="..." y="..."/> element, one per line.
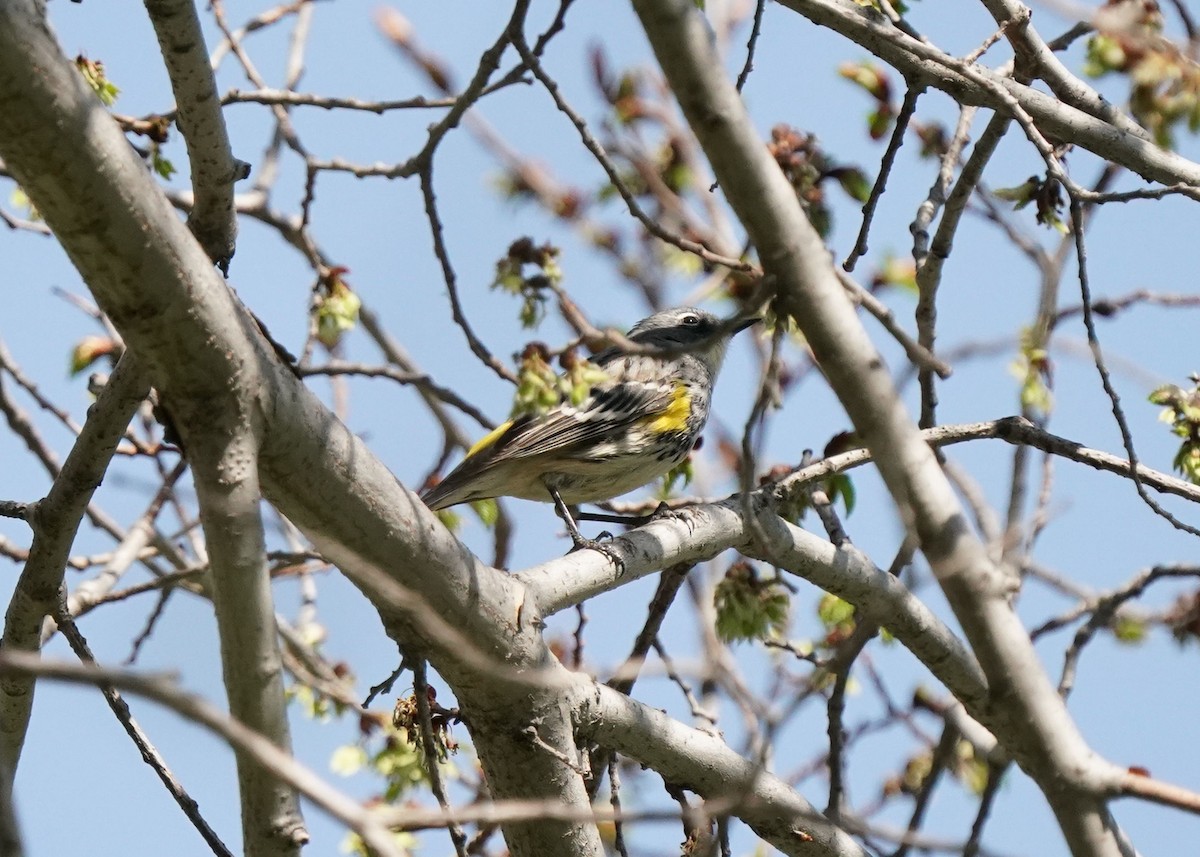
<point x="223" y="452"/>
<point x="244" y="739"/>
<point x="918" y="60"/>
<point x="704" y="764"/>
<point x="214" y="169"/>
<point x="1037" y="730"/>
<point x="55" y="521"/>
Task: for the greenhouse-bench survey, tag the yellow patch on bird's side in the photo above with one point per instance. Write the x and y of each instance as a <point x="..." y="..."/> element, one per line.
<point x="489" y="438"/>
<point x="675" y="416"/>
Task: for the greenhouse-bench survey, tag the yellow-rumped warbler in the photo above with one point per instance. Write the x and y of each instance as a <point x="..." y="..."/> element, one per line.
<point x="632" y="427"/>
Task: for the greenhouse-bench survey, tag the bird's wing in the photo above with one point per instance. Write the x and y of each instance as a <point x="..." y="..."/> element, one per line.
<point x="610" y="409"/>
<point x="566" y="430"/>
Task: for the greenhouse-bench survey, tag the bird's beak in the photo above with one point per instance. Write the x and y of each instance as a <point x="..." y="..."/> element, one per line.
<point x="743" y="324"/>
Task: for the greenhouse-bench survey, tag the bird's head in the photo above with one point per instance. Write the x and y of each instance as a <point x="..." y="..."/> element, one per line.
<point x="690" y="330"/>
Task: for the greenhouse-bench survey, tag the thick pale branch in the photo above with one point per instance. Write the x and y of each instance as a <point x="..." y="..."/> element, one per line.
<point x="1044" y="63"/>
<point x="704" y="764"/>
<point x="225" y="468"/>
<point x="701" y="532"/>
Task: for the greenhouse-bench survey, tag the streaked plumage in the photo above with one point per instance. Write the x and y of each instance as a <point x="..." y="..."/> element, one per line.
<point x="631" y="429"/>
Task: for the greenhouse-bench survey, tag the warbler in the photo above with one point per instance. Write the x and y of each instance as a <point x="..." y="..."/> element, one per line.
<point x="633" y="427"/>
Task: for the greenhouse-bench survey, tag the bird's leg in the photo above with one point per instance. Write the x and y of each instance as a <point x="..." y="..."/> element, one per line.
<point x="564" y="512"/>
<point x="581" y="541"/>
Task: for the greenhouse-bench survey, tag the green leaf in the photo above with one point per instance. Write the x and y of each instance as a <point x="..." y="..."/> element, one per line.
<point x="161" y="165"/>
<point x="749" y="608"/>
<point x="972" y="770"/>
<point x="487" y="511"/>
<point x="1128" y="629"/>
<point x="898" y="272"/>
<point x="1021" y="194"/>
<point x="832" y="610"/>
<point x="1167" y="394"/>
<point x="348" y="760"/>
<point x="20" y="199"/>
<point x="93" y="73"/>
<point x="1104" y="54"/>
<point x="529" y="271"/>
<point x="336" y="309"/>
<point x="854" y="182"/>
<point x="840" y="485"/>
<point x="681" y="473"/>
<point x="88" y="350"/>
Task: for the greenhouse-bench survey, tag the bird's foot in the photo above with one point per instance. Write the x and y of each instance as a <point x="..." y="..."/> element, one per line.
<point x="666" y="513"/>
<point x="602" y="544"/>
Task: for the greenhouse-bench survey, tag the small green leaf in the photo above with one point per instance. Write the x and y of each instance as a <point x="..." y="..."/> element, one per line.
<point x="1128" y="629"/>
<point x="972" y="770"/>
<point x="487" y="511"/>
<point x="1165" y="395"/>
<point x="93" y="73"/>
<point x="854" y="182"/>
<point x="348" y="760"/>
<point x="1104" y="54"/>
<point x="840" y="485"/>
<point x="529" y="271"/>
<point x="88" y="350"/>
<point x="538" y="386"/>
<point x="1021" y="194"/>
<point x="749" y="608"/>
<point x="681" y="473"/>
<point x="163" y="167"/>
<point x="832" y="610"/>
<point x="20" y="199"/>
<point x="336" y="308"/>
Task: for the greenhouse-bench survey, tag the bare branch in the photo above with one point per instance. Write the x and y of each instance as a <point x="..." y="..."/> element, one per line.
<point x="246" y="741"/>
<point x="1014" y="430"/>
<point x="224" y="455"/>
<point x="710" y="768"/>
<point x="149" y="752"/>
<point x="214" y="169"/>
<point x="55" y="521"/>
<point x="920" y="61"/>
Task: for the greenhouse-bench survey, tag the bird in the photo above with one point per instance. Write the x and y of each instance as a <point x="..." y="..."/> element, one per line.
<point x="631" y="428"/>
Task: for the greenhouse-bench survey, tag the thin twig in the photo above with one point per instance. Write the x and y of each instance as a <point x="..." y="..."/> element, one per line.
<point x="907" y="108"/>
<point x="421" y="380"/>
<point x="429" y="746"/>
<point x="614" y="799"/>
<point x="149" y="753"/>
<point x="610" y="169"/>
<point x="443" y="256"/>
<point x="751" y="44"/>
<point x="1014" y="430"/>
<point x="1089" y="323"/>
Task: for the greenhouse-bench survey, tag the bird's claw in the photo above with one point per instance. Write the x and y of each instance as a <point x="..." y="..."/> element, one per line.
<point x="666" y="513"/>
<point x="601" y="546"/>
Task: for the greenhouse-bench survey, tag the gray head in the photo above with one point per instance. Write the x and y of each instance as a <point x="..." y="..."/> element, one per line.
<point x="688" y="327"/>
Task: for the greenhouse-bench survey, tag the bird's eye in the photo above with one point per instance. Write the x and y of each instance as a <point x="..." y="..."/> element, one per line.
<point x="691" y="320"/>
